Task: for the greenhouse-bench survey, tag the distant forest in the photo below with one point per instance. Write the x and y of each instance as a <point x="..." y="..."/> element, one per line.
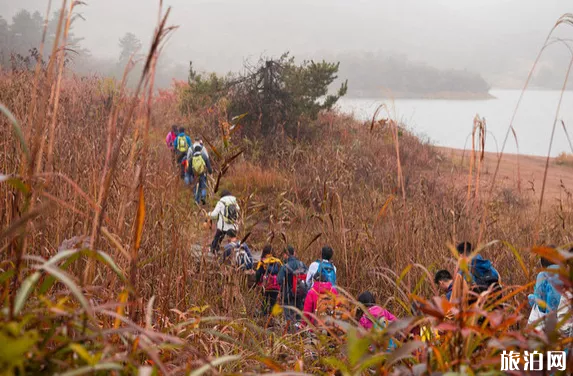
<point x="372" y="75"/>
<point x="20" y="40"/>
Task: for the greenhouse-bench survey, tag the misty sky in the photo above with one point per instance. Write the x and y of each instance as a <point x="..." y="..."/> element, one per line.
<point x="486" y="36"/>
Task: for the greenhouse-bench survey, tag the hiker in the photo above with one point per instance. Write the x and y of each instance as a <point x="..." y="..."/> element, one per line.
<point x="445" y="282"/>
<point x="267" y="277"/>
<point x="322" y="301"/>
<point x="238" y="252"/>
<point x="546" y="296"/>
<point x="323" y="266"/>
<point x="170" y="138"/>
<point x="226" y="213"/>
<point x="456" y="290"/>
<point x="198" y="165"/>
<point x="483" y="274"/>
<point x="381" y="315"/>
<point x="292" y="279"/>
<point x="182" y="143"/>
<point x="199" y="142"/>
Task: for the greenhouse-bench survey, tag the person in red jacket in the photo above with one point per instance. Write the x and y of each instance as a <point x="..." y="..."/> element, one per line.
<point x="320" y="286"/>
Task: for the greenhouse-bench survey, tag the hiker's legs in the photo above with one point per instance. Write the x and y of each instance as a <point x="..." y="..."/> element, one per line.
<point x="188" y="177"/>
<point x="219" y="235"/>
<point x="197" y="191"/>
<point x="180" y="157"/>
<point x="299" y="304"/>
<point x="269" y="301"/>
<point x="202" y="188"/>
<point x="290" y="314"/>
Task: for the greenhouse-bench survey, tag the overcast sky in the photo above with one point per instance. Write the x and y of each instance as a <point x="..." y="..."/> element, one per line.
<point x="479" y="35"/>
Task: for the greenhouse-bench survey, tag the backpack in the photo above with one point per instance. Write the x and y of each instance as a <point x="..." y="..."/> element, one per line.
<point x="182" y="145"/>
<point x="331" y="307"/>
<point x="484" y="275"/>
<point x="296" y="280"/>
<point x="231" y="213"/>
<point x="327" y="269"/>
<point x="198" y="164"/>
<point x="242" y="259"/>
<point x="270" y="279"/>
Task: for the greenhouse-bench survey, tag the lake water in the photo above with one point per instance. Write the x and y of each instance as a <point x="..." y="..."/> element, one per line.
<point x="449" y="122"/>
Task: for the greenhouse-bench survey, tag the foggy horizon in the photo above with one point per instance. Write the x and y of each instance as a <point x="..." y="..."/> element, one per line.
<point x="497" y="39"/>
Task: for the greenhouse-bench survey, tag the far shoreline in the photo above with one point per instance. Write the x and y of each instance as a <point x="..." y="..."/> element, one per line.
<point x="435" y="96"/>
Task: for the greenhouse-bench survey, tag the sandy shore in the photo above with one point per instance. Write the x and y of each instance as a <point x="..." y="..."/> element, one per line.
<point x="527" y="169"/>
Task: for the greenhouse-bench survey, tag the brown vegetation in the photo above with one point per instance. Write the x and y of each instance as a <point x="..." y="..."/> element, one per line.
<point x="84" y="161"/>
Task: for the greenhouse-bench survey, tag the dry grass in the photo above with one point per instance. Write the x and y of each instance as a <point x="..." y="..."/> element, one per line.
<point x="90" y="164"/>
<point x="564" y="159"/>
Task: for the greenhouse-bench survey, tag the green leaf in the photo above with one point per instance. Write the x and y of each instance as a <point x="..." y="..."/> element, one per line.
<point x="373" y="361"/>
<point x="518" y="257"/>
<point x="71" y="256"/>
<point x="17" y="129"/>
<point x="14" y="349"/>
<point x="49" y="280"/>
<point x="357" y="347"/>
<point x="61" y="255"/>
<point x="82" y="352"/>
<point x="106" y="259"/>
<point x="215" y="363"/>
<point x="6" y="276"/>
<point x="91" y="369"/>
<point x="24" y="291"/>
<point x="66" y="280"/>
<point x="15" y="183"/>
<point x="337" y="364"/>
<point x="403" y="274"/>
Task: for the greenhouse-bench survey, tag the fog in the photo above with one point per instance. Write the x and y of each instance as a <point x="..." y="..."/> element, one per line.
<point x="498" y="39"/>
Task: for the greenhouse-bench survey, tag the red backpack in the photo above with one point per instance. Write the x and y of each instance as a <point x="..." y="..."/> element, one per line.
<point x="270" y="279"/>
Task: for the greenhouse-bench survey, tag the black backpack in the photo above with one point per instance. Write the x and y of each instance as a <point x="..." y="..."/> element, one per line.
<point x="231" y="213"/>
<point x="296" y="280"/>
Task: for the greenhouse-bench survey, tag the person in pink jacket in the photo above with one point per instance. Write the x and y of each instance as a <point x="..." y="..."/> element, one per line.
<point x="320" y="286"/>
<point x="377" y="312"/>
<point x="171" y="136"/>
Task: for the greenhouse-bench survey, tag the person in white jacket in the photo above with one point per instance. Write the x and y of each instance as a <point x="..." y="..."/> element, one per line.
<point x="204" y="152"/>
<point x="226" y="213"/>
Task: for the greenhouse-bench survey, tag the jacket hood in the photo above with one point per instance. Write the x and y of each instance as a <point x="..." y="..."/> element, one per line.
<point x="480" y="264"/>
<point x="229" y="200"/>
<point x="376" y="311"/>
<point x="321" y="287"/>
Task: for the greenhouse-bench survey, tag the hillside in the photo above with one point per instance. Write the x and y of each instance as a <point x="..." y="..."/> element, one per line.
<point x="376" y="76"/>
<point x="341" y="189"/>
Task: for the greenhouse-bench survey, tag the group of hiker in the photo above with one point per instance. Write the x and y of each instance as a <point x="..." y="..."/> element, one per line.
<point x="480" y="276"/>
<point x="549" y="299"/>
<point x="313" y="291"/>
<point x="192" y="159"/>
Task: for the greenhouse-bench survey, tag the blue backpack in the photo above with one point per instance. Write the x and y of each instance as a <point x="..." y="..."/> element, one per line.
<point x="327" y="269"/>
<point x="483" y="273"/>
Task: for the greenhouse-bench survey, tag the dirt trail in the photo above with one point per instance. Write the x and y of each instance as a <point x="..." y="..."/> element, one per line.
<point x="531" y="171"/>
